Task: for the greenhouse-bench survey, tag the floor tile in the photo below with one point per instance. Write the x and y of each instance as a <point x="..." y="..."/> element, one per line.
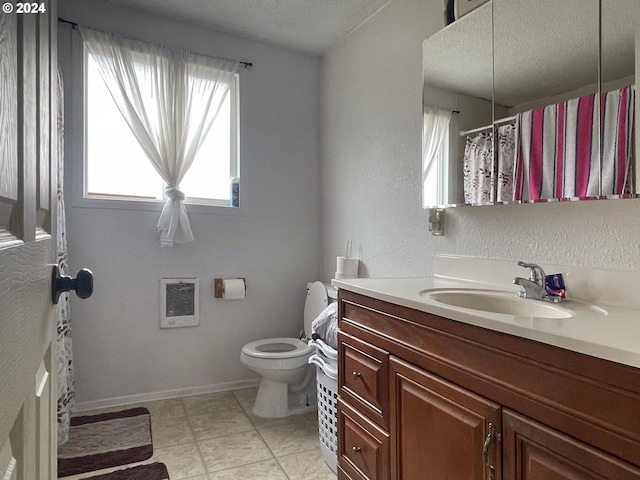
<point x="171" y="432"/>
<point x="263" y="422"/>
<point x="306" y="466"/>
<point x="165" y="409"/>
<point x="312" y="417"/>
<point x="209" y="403"/>
<point x="182" y="461"/>
<point x="269" y="470"/>
<point x="220" y="423"/>
<point x="246" y="396"/>
<point x="291" y="438"/>
<point x="233" y="451"/>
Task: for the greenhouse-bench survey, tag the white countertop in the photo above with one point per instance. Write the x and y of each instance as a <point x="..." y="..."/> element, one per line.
<point x="603" y="331"/>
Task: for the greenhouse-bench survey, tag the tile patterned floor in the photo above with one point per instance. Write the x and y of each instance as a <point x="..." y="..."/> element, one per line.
<point x="217" y="437"/>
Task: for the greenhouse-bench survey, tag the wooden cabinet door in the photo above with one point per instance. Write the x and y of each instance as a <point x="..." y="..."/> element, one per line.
<point x="439" y="429"/>
<point x="533" y="451"/>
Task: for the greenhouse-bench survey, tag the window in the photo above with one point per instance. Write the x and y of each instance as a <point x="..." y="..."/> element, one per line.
<point x="436" y="137"/>
<point x="111" y="148"/>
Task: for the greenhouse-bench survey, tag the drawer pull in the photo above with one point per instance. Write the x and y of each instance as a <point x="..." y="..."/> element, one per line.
<point x="485" y="451"/>
<point x="356" y="449"/>
<point x="356" y="374"/>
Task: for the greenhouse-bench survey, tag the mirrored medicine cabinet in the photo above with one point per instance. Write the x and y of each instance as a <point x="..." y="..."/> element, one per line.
<point x="532" y="101"/>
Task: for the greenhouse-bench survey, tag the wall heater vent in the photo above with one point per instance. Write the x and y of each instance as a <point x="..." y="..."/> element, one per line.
<point x="179" y="302"/>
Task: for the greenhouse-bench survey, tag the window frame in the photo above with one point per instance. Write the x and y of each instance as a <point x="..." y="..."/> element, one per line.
<point x="79" y="156"/>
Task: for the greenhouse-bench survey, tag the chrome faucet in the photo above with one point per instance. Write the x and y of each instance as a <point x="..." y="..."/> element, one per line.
<point x="534" y="287"/>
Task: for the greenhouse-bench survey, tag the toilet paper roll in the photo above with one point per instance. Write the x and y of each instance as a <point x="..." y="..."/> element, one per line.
<point x="233" y="288"/>
<point x="347" y="266"/>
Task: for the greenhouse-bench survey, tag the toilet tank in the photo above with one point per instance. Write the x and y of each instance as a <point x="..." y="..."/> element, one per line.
<point x="316" y="301"/>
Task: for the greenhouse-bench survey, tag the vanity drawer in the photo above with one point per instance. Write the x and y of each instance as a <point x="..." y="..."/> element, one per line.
<point x="363" y="448"/>
<point x="363" y="373"/>
<point x="342" y="475"/>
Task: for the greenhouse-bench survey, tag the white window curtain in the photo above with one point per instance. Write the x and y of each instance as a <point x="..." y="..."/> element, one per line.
<point x="435" y="142"/>
<point x="170" y="99"/>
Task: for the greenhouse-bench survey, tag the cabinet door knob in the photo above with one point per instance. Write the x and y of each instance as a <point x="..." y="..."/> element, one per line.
<point x="357" y="375"/>
<point x="356" y="449"/>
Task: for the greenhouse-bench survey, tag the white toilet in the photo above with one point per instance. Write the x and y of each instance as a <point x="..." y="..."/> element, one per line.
<point x="288" y="385"/>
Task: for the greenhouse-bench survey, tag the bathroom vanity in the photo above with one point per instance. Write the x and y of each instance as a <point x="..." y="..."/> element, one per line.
<point x="435" y="391"/>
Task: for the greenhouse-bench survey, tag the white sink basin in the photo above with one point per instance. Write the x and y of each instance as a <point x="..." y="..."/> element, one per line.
<point x="496" y="301"/>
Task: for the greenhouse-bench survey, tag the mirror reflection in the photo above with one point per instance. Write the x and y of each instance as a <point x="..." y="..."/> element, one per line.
<point x="546" y="76"/>
<point x="458" y="85"/>
<point x="522" y="115"/>
<point x="619" y="65"/>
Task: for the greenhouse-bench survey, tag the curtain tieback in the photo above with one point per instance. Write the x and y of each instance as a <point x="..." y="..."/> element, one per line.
<point x="174" y="193"/>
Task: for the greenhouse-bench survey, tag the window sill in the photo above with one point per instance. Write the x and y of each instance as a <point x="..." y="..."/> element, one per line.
<point x="154" y="206"/>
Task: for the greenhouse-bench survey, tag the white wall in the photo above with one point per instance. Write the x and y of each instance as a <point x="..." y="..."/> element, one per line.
<point x="371" y="171"/>
<point x="372" y="143"/>
<point x="119" y="348"/>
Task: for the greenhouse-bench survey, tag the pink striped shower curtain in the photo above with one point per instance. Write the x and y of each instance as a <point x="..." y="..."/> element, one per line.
<point x="557" y="152"/>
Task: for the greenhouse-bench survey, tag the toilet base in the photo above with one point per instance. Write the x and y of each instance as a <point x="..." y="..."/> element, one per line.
<point x="275" y="400"/>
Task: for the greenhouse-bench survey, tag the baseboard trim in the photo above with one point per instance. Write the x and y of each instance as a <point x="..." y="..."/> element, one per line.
<point x="164" y="395"/>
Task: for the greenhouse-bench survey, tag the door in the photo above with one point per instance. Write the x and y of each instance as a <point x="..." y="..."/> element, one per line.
<point x="439" y="430"/>
<point x="533" y="451"/>
<point x="28" y="389"/>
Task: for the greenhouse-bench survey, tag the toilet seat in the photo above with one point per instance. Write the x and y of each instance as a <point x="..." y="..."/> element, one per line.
<point x="277" y="348"/>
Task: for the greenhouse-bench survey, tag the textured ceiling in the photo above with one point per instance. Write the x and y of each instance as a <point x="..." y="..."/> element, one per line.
<point x="309" y="26"/>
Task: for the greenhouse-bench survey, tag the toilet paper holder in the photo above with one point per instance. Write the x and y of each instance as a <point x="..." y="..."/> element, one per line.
<point x="218" y="286"/>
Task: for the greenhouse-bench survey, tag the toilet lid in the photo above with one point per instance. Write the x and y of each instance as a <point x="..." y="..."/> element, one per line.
<point x="315" y="303"/>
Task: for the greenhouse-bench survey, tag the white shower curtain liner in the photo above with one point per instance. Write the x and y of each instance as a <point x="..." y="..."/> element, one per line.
<point x="170" y="99"/>
<point x="478" y="169"/>
<point x="64" y="352"/>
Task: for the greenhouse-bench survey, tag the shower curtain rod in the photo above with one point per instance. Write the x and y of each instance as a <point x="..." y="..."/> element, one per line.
<point x="479" y="129"/>
<point x="74" y="25"/>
